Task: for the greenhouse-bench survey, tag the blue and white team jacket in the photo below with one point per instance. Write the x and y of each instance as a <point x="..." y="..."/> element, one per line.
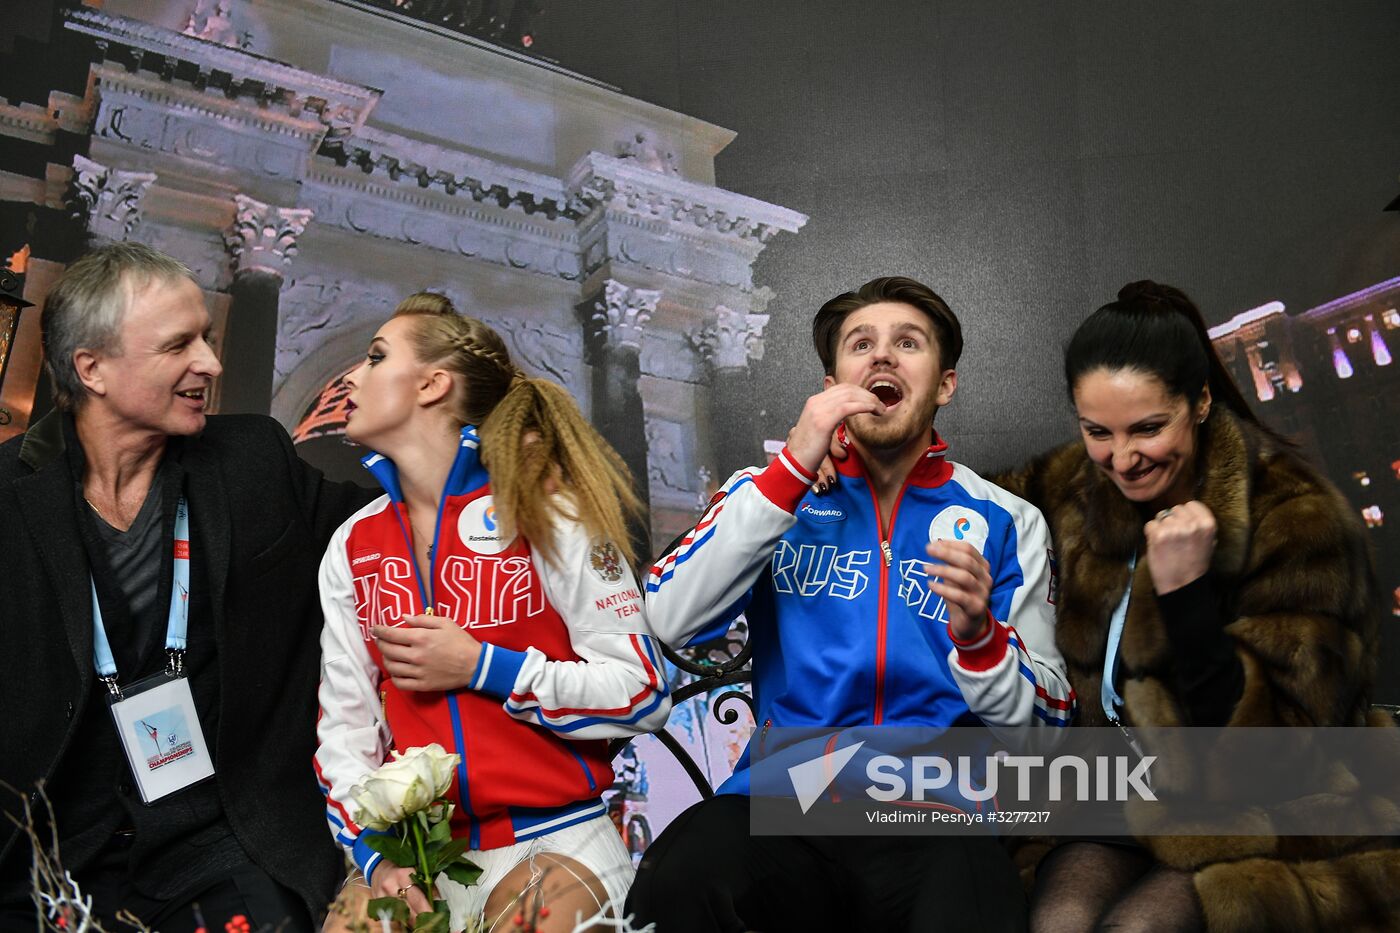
<point x="844" y="628"/>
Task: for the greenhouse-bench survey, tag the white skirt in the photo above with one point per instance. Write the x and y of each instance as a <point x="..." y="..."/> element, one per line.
<point x="595" y="844"/>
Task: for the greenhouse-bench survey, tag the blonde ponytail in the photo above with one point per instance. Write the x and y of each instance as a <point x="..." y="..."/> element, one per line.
<point x="533" y="435"/>
<point x="537" y="435"/>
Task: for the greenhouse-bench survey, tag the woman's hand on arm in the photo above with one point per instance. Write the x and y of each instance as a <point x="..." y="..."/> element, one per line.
<point x="826" y="473"/>
<point x="1180" y="545"/>
<point x="428" y="653"/>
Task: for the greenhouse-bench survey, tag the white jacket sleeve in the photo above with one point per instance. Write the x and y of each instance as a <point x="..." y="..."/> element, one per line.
<point x="619" y="687"/>
<point x="705" y="578"/>
<point x="1014" y="675"/>
<point x="352" y="737"/>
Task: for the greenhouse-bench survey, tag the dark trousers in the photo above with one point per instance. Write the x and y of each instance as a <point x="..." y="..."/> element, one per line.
<point x="706" y="873"/>
<point x="246" y="891"/>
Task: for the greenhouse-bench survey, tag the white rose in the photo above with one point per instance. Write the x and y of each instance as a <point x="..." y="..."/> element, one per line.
<point x="399" y="788"/>
<point x="376" y="805"/>
<point x="444" y="766"/>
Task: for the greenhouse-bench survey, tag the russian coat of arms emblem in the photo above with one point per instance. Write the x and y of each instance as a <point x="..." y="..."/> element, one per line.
<point x="606" y="561"/>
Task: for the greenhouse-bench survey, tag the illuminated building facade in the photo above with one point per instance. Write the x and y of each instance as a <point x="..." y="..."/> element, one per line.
<point x="1327" y="377"/>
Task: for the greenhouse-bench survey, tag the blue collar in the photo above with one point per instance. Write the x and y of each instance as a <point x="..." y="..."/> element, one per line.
<point x="467" y="472"/>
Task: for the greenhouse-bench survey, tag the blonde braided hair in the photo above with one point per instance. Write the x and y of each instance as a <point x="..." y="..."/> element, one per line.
<point x="532" y="434"/>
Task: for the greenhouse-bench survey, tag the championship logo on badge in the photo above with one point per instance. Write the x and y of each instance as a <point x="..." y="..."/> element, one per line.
<point x="956" y="523"/>
<point x="166" y="737"/>
<point x="606" y="561"/>
<point x="479" y="528"/>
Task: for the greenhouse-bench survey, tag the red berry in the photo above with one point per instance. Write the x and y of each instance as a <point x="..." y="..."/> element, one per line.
<point x="544" y="911"/>
<point x="519" y="919"/>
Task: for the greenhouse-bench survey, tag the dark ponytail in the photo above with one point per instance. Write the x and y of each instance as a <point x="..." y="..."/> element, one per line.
<point x="1154" y="329"/>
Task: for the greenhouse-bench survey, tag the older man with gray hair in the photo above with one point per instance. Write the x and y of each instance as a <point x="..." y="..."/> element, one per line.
<point x="159" y="617"/>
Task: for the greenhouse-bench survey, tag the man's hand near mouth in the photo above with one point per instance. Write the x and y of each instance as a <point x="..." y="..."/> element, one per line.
<point x="811" y="437"/>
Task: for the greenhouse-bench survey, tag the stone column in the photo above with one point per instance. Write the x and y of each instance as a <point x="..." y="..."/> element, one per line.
<point x="613" y="325"/>
<point x="262" y="242"/>
<point x="727" y="346"/>
<point x="107" y="201"/>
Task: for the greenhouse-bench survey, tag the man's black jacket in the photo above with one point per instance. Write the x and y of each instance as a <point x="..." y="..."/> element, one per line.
<point x="263" y="518"/>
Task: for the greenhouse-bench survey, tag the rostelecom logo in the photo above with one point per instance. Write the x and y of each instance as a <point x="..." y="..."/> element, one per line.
<point x="479" y="528"/>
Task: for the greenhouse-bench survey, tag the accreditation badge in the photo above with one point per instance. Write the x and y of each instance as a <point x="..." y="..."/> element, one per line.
<point x="160" y="733"/>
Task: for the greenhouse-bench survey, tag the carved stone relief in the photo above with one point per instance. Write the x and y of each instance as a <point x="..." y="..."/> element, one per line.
<point x="264" y="237"/>
<point x="645" y="151"/>
<point x="668" y="355"/>
<point x="214" y="22"/>
<point x="192" y="135"/>
<point x="732" y="340"/>
<point x="108" y="200"/>
<point x="668" y="459"/>
<point x="627" y="186"/>
<point x="620" y="314"/>
<point x="543" y="349"/>
<point x="308" y="310"/>
<point x="204" y="253"/>
<point x="465" y="231"/>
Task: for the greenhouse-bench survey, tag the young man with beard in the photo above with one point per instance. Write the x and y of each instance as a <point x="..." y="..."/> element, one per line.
<point x="910" y="593"/>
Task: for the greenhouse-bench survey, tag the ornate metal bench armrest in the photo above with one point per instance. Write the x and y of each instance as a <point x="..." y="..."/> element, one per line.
<point x="724" y="663"/>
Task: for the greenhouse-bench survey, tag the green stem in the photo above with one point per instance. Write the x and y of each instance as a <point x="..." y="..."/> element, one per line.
<point x="423" y="866"/>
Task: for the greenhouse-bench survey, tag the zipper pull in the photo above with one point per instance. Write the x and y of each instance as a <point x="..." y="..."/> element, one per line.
<point x="889" y="555"/>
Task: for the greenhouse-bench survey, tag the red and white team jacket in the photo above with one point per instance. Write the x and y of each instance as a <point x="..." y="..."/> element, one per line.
<point x="568" y="663"/>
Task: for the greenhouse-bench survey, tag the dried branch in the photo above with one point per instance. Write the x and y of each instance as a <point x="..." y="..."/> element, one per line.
<point x="60" y="905"/>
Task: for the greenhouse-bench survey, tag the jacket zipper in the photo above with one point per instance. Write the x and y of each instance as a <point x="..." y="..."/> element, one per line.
<point x="887" y="553"/>
<point x="428" y="596"/>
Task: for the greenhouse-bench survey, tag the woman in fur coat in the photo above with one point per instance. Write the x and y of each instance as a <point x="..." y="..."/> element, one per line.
<point x="1253" y="603"/>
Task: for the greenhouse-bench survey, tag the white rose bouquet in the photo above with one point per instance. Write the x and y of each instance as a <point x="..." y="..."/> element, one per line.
<point x="404" y="801"/>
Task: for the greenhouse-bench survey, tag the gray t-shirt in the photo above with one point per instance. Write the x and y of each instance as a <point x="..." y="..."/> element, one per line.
<point x="137" y="557"/>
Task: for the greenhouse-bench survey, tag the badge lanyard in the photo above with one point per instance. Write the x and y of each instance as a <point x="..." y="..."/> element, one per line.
<point x="176" y="627"/>
<point x="156" y="717"/>
<point x="1108" y="694"/>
